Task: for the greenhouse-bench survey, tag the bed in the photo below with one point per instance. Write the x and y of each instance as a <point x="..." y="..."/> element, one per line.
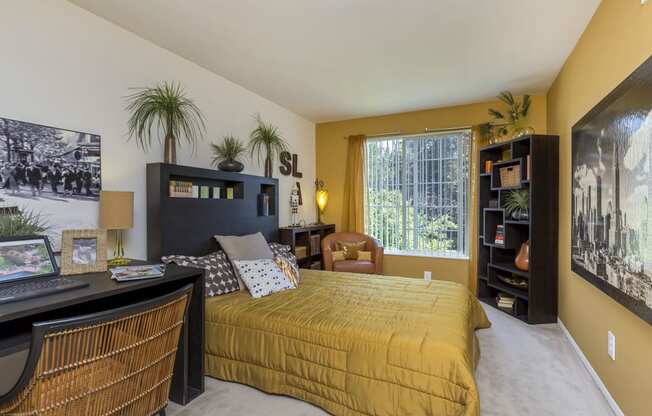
<point x="353" y="344"/>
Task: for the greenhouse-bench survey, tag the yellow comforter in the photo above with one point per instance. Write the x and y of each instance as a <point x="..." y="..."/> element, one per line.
<point x="353" y="344"/>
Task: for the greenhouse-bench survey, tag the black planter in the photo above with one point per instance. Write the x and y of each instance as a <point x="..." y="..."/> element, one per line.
<point x="230" y="166"/>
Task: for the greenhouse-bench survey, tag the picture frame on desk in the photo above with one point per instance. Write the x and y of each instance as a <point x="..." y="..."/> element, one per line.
<point x="83" y="251"/>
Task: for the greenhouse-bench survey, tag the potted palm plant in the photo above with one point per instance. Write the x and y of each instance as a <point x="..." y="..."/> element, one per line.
<point x="516" y="112"/>
<point x="517" y="204"/>
<point x="226" y="154"/>
<point x="164" y="110"/>
<point x="266" y="140"/>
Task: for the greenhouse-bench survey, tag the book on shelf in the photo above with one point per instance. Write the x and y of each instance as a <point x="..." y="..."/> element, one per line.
<point x="203" y="192"/>
<point x="505" y="301"/>
<point x="301" y="252"/>
<point x="195" y="191"/>
<point x="216" y="192"/>
<point x="180" y="189"/>
<point x="315" y="244"/>
<point x="229" y="193"/>
<point x="500" y="235"/>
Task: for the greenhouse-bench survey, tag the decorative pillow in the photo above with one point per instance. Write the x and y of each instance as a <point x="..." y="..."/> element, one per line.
<point x="351" y="248"/>
<point x="220" y="277"/>
<point x="364" y="255"/>
<point x="262" y="277"/>
<point x="338" y="256"/>
<point x="245" y="247"/>
<point x="289" y="270"/>
<point x="281" y="250"/>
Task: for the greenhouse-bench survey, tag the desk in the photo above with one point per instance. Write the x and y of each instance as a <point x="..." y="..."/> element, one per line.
<point x="104" y="293"/>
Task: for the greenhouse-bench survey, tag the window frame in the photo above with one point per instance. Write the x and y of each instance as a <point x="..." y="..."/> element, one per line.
<point x="463" y="236"/>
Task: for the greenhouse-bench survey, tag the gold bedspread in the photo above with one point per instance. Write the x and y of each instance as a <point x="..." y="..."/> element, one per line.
<point x="353" y="344"/>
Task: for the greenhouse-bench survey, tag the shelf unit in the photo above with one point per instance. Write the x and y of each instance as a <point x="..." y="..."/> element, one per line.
<point x="538" y="303"/>
<point x="170" y="220"/>
<point x="301" y="236"/>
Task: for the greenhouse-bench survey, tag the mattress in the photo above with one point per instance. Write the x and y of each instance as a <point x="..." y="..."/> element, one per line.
<point x="353" y="344"/>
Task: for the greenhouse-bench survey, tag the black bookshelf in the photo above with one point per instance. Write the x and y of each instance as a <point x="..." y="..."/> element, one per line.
<point x="186" y="226"/>
<point x="538" y="303"/>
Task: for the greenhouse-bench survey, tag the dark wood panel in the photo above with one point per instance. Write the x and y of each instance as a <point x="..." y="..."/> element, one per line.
<point x="187" y="225"/>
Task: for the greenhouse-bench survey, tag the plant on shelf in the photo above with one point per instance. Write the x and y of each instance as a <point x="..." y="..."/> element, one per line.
<point x="226" y="154"/>
<point x="517" y="204"/>
<point x="21" y="223"/>
<point x="266" y="139"/>
<point x="164" y="110"/>
<point x="514" y="116"/>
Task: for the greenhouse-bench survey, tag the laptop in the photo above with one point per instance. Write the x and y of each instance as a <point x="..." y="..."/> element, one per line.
<point x="29" y="270"/>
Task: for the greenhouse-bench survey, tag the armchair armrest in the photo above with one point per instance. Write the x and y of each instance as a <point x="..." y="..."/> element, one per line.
<point x="327" y="257"/>
<point x="377" y="254"/>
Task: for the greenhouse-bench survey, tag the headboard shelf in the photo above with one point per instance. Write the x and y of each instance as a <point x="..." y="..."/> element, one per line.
<point x="187" y="225"/>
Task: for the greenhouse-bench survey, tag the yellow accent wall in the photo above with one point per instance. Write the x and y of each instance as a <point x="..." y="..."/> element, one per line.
<point x="616" y="41"/>
<point x="331" y="158"/>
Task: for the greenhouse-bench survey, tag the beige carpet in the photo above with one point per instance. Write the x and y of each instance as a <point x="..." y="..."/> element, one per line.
<point x="524" y="370"/>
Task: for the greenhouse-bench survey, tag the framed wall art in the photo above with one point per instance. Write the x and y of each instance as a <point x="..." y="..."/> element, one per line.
<point x="51" y="174"/>
<point x="611" y="239"/>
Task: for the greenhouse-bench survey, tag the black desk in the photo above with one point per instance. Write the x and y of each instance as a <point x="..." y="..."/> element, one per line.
<point x="104" y="293"/>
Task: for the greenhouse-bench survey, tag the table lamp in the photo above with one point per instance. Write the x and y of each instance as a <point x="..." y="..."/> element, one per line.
<point x="117" y="215"/>
<point x="321" y="195"/>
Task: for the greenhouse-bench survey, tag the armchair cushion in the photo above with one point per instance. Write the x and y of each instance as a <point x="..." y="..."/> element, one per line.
<point x="354" y="266"/>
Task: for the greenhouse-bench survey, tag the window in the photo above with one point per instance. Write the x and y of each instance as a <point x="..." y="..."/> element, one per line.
<point x="417" y="192"/>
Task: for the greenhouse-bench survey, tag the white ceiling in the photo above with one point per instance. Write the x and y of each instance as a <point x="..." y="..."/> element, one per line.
<point x="341" y="59"/>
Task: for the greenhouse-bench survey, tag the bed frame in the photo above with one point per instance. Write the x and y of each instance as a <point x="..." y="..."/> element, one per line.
<point x="186" y="226"/>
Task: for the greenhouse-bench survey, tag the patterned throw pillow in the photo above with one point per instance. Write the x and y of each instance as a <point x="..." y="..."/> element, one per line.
<point x="281" y="250"/>
<point x="351" y="248"/>
<point x="289" y="270"/>
<point x="262" y="277"/>
<point x="338" y="256"/>
<point x="220" y="278"/>
<point x="364" y="255"/>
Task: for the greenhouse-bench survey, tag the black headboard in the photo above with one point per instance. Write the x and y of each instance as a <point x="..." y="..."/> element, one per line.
<point x="187" y="225"/>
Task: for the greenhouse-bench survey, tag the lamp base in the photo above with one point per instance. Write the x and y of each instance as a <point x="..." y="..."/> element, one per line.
<point x="119" y="261"/>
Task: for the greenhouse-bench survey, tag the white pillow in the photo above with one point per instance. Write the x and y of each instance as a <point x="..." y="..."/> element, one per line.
<point x="262" y="277"/>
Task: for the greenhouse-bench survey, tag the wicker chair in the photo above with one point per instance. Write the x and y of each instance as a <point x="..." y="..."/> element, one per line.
<point x="117" y="362"/>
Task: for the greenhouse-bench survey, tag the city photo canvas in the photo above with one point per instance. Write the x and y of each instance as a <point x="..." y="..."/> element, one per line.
<point x="50" y="179"/>
<point x="611" y="240"/>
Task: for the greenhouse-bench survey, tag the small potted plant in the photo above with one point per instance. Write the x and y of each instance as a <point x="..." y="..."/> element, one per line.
<point x="517" y="204"/>
<point x="514" y="116"/>
<point x="266" y="140"/>
<point x="164" y="110"/>
<point x="226" y="154"/>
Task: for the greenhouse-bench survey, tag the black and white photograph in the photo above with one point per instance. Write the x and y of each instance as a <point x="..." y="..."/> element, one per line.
<point x="84" y="250"/>
<point x="612" y="192"/>
<point x="50" y="173"/>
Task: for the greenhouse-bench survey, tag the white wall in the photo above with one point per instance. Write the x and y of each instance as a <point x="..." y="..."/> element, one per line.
<point x="63" y="66"/>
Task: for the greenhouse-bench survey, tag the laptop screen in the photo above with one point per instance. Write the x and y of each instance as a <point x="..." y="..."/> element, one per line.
<point x="23" y="259"/>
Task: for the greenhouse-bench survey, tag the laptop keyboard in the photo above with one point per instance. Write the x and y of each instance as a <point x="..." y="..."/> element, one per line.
<point x="37" y="288"/>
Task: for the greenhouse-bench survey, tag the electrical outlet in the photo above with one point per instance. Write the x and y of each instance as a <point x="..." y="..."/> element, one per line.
<point x="427" y="276"/>
<point x="611" y="345"/>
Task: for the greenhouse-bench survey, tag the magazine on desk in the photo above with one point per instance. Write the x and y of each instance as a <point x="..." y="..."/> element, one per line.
<point x="145" y="271"/>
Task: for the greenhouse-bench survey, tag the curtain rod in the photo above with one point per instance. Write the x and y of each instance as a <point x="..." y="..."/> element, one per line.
<point x="427" y="130"/>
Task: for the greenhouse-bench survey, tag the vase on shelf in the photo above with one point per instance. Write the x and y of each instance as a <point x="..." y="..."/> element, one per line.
<point x="230" y="165"/>
<point x="522" y="261"/>
<point x="520" y="214"/>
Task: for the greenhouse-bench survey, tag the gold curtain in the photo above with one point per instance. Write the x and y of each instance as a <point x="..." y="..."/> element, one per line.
<point x="353" y="210"/>
<point x="474" y="153"/>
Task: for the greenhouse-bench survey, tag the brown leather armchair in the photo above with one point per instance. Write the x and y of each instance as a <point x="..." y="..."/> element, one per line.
<point x="329" y="244"/>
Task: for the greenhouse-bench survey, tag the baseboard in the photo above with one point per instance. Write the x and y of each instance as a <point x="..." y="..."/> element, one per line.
<point x="596" y="378"/>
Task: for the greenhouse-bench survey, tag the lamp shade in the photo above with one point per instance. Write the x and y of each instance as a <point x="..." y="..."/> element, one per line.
<point x="116" y="210"/>
<point x="322" y="199"/>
